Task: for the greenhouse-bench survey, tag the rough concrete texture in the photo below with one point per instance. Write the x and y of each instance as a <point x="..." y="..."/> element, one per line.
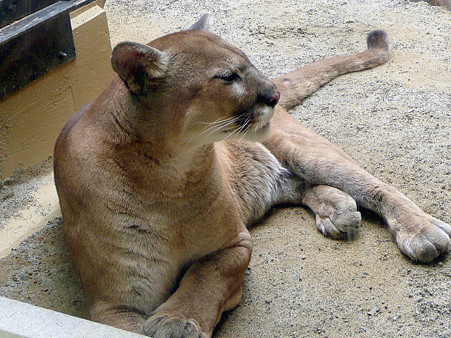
<point x="24" y="320"/>
<point x="395" y="120"/>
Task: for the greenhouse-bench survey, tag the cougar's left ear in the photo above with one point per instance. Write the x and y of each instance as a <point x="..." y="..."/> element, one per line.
<point x="139" y="66"/>
<point x="203" y="24"/>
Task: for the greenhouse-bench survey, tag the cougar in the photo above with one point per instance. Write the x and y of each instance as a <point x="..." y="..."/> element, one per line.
<point x="160" y="177"/>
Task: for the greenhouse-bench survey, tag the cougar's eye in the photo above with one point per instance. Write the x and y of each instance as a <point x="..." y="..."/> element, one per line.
<point x="228" y="76"/>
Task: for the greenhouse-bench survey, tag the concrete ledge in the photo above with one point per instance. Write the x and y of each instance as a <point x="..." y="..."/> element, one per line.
<point x="23" y="320"/>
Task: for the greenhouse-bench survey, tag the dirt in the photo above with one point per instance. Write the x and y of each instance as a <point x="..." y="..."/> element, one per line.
<point x="395" y="120"/>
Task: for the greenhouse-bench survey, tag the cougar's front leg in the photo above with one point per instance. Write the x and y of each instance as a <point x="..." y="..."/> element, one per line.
<point x="419" y="235"/>
<point x="120" y="316"/>
<point x="209" y="287"/>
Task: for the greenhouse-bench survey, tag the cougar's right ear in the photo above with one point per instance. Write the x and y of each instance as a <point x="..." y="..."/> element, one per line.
<point x="139" y="66"/>
<point x="203" y="24"/>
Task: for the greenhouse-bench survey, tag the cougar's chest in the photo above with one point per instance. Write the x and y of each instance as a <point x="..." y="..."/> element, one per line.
<point x="256" y="178"/>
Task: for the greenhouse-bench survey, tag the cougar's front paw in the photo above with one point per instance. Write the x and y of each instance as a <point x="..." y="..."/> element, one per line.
<point x="424" y="239"/>
<point x="172" y="326"/>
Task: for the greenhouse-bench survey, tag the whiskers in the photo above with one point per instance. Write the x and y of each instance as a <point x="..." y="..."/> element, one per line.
<point x="218" y="125"/>
<point x="245" y="127"/>
<point x="258" y="126"/>
<point x="222" y="125"/>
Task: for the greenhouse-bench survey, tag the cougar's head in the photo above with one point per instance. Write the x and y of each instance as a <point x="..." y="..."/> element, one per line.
<point x="200" y="88"/>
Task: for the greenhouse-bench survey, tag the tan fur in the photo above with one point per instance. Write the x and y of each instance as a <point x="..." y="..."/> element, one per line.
<point x="160" y="176"/>
<point x="443" y="3"/>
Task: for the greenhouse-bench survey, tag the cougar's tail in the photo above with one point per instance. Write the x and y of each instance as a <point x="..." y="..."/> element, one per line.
<point x="297" y="85"/>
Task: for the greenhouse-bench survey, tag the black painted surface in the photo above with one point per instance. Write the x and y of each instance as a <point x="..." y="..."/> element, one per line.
<point x="35" y="53"/>
<point x="36" y="44"/>
<point x="12" y="10"/>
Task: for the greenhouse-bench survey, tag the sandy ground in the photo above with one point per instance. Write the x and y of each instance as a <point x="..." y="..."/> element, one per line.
<point x="395" y="120"/>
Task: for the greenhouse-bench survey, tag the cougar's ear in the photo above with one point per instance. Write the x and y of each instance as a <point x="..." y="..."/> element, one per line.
<point x="203" y="24"/>
<point x="139" y="66"/>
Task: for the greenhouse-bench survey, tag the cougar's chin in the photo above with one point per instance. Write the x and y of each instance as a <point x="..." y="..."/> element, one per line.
<point x="259" y="127"/>
<point x="259" y="133"/>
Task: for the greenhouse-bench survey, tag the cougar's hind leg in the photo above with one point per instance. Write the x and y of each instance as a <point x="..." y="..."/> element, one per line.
<point x="209" y="287"/>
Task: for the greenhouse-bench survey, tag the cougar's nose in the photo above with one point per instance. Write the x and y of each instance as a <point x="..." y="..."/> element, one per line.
<point x="271" y="98"/>
<point x="274" y="99"/>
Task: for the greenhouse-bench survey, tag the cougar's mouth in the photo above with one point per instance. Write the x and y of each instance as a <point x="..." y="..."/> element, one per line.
<point x="254" y="124"/>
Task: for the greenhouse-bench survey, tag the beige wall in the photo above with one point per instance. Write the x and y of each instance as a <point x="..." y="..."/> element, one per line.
<point x="31" y="119"/>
